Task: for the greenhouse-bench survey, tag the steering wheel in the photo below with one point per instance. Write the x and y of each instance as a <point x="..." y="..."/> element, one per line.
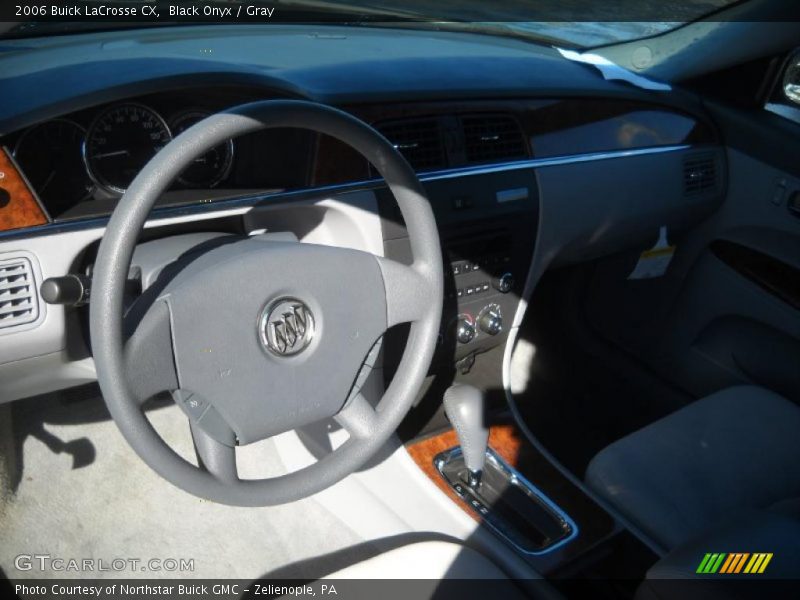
<point x="256" y="337"/>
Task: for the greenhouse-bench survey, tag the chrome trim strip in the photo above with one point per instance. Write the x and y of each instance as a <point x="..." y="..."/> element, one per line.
<point x="446" y="456"/>
<point x="535" y="163"/>
<point x="225" y="206"/>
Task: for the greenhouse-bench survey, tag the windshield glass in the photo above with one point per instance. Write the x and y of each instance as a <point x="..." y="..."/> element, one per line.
<point x="550" y="21"/>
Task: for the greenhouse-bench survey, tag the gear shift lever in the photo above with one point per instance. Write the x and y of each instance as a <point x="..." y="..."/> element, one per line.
<point x="463" y="405"/>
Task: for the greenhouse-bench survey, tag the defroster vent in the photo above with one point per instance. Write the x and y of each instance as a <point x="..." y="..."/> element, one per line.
<point x="19" y="301"/>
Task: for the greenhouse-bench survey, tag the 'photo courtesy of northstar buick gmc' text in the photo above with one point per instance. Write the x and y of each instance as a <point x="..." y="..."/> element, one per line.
<point x="400" y="299"/>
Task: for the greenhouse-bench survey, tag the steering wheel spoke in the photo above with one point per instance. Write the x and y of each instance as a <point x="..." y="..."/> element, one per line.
<point x="215" y="457"/>
<point x="408" y="292"/>
<point x="148" y="353"/>
<point x="358" y="417"/>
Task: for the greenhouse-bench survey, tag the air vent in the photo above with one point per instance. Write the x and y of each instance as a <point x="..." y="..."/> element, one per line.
<point x="19" y="303"/>
<point x="419" y="140"/>
<point x="492" y="137"/>
<point x="699" y="174"/>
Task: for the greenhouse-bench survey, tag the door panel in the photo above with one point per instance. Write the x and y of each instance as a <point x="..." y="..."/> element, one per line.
<point x="775" y="276"/>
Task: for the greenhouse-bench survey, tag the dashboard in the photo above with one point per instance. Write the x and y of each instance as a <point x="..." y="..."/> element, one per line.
<point x="529" y="161"/>
<point x="80" y="164"/>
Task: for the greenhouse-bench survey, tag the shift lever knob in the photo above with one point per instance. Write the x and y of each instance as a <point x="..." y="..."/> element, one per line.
<point x="463" y="405"/>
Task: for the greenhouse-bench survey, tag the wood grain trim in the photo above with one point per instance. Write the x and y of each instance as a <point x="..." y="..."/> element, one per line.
<point x="18" y="204"/>
<point x="503" y="439"/>
<point x="596" y="526"/>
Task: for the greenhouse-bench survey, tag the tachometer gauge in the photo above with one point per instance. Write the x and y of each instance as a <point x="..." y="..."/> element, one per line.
<point x="211" y="168"/>
<point x="121" y="140"/>
<point x="50" y="156"/>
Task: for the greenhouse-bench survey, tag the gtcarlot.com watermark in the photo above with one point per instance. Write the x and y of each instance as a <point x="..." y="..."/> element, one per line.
<point x="58" y="564"/>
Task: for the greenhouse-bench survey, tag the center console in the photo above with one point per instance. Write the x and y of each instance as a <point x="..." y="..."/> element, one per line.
<point x="510" y="505"/>
<point x="487" y="224"/>
<point x="498" y="494"/>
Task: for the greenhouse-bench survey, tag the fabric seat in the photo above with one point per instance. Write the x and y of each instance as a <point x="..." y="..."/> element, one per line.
<point x="734" y="450"/>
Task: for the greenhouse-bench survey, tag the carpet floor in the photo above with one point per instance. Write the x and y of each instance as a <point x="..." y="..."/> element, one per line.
<point x="79" y="492"/>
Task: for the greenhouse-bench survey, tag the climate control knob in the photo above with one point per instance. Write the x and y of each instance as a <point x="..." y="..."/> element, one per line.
<point x="465" y="329"/>
<point x="490" y="319"/>
<point x="504" y="283"/>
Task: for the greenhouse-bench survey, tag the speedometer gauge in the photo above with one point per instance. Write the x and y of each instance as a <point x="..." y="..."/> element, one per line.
<point x="208" y="170"/>
<point x="122" y="140"/>
<point x="50" y="156"/>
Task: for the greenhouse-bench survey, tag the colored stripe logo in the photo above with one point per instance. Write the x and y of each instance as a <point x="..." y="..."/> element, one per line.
<point x="734" y="563"/>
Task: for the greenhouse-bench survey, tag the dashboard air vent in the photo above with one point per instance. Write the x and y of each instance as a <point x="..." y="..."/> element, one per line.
<point x="699" y="174"/>
<point x="492" y="137"/>
<point x="419" y="140"/>
<point x="19" y="302"/>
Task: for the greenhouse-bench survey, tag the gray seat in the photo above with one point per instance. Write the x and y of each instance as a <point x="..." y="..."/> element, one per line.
<point x="735" y="450"/>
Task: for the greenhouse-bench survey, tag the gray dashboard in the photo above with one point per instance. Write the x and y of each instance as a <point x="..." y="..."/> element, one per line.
<point x="335" y="65"/>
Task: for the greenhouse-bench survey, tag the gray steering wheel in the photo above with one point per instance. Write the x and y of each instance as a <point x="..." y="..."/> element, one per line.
<point x="257" y="337"/>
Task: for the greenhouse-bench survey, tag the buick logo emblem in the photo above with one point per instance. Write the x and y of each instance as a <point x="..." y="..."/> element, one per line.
<point x="286" y="327"/>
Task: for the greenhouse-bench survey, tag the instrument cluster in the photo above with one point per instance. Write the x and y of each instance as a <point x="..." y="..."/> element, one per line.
<point x="95" y="155"/>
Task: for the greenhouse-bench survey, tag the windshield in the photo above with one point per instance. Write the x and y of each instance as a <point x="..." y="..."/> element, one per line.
<point x="551" y="21"/>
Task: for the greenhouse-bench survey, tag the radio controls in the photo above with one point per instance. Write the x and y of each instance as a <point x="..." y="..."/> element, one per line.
<point x="490" y="319"/>
<point x="471" y="290"/>
<point x="465" y="329"/>
<point x="504" y="283"/>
